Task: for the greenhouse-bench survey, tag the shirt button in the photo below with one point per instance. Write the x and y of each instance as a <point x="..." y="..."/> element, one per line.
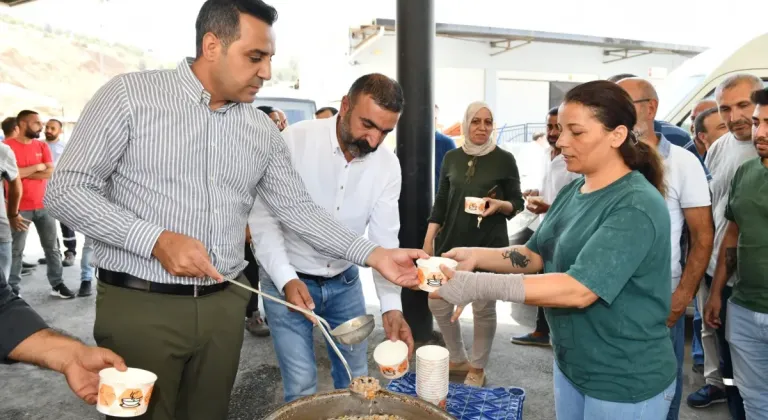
<point x="342" y="187"/>
<point x="329" y="266"/>
<point x="338" y="208"/>
<point x="346" y="166"/>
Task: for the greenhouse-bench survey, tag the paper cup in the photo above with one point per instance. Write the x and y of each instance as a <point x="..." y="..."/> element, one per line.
<point x="430" y="276"/>
<point x="392" y="358"/>
<point x="474" y="205"/>
<point x="125" y="394"/>
<point x="432" y="373"/>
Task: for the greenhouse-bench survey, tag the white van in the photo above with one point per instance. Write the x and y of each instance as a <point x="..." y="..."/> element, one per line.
<point x="296" y="107"/>
<point x="698" y="77"/>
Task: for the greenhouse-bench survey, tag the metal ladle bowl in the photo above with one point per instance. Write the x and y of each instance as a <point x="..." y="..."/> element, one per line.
<point x="351" y="332"/>
<point x="354" y="331"/>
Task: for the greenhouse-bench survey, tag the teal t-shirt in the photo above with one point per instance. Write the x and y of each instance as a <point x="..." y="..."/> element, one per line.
<point x="616" y="242"/>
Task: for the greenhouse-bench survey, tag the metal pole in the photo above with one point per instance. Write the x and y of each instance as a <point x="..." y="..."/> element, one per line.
<point x="415" y="27"/>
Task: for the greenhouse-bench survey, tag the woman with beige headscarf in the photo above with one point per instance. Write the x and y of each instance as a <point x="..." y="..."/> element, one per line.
<point x="477" y="169"/>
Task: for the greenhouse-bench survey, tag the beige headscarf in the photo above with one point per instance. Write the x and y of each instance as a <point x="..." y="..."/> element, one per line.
<point x="470" y="148"/>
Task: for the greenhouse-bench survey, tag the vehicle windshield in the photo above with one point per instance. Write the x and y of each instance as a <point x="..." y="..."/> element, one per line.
<point x="295" y="109"/>
<point x="681" y="82"/>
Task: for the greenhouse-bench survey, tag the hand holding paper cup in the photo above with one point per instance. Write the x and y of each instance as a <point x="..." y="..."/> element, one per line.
<point x="392" y="358"/>
<point x="430" y="275"/>
<point x="125" y="394"/>
<point x="536" y="205"/>
<point x="474" y="205"/>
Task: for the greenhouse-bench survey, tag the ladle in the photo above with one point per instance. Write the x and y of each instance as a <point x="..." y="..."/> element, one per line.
<point x="353" y="331"/>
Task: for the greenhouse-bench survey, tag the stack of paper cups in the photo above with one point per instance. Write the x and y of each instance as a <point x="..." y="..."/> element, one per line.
<point x="432" y="374"/>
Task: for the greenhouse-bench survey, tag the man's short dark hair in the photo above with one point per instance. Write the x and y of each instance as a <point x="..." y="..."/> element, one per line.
<point x="553" y="112"/>
<point x="8" y="124"/>
<point x="760" y="97"/>
<point x="386" y="92"/>
<point x="698" y="123"/>
<point x="222" y="18"/>
<point x="330" y="109"/>
<point x="24" y="114"/>
<point x="56" y="121"/>
<point x="266" y="109"/>
<point x="620" y="76"/>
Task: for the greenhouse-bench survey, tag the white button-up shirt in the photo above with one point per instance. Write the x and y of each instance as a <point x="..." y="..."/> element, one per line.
<point x="361" y="194"/>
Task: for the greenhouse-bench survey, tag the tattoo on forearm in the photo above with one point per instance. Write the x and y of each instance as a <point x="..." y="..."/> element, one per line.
<point x="730" y="261"/>
<point x="517" y="259"/>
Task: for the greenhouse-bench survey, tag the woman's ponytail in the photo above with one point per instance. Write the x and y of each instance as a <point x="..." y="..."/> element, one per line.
<point x="644" y="159"/>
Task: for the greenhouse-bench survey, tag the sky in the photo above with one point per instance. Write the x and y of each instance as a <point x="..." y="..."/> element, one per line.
<point x="166" y="27"/>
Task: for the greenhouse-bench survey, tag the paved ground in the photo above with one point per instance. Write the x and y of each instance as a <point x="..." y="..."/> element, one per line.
<point x="30" y="393"/>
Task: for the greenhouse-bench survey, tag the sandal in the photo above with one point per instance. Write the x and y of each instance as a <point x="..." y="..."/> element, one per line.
<point x="462" y="368"/>
<point x="475" y="379"/>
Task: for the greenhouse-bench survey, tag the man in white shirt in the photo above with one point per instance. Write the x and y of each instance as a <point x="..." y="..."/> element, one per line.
<point x="347" y="173"/>
<point x="688" y="203"/>
<point x="556" y="176"/>
<point x="723" y="159"/>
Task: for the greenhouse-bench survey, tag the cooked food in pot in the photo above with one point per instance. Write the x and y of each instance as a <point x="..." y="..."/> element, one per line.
<point x="365" y="386"/>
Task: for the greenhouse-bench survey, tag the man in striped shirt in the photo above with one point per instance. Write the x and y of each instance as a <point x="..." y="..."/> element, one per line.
<point x="162" y="171"/>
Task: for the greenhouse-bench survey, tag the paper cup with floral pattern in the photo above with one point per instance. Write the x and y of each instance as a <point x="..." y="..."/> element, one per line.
<point x="392" y="358"/>
<point x="125" y="394"/>
<point x="430" y="275"/>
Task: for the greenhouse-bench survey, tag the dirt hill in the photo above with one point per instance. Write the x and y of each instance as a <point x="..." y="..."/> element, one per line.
<point x="56" y="72"/>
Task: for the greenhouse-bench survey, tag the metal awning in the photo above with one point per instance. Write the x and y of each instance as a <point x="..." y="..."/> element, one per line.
<point x="14" y="2"/>
<point x="506" y="39"/>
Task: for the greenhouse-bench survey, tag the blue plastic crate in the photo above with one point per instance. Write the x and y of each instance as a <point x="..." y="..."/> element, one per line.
<point x="471" y="403"/>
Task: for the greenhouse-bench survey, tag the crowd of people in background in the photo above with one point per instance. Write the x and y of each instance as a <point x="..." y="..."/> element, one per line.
<point x="634" y="219"/>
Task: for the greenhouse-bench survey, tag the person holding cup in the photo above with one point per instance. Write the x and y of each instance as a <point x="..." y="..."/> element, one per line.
<point x="605" y="251"/>
<point x="477" y="169"/>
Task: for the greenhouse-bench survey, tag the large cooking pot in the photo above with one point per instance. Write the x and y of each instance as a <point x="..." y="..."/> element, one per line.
<point x="342" y="402"/>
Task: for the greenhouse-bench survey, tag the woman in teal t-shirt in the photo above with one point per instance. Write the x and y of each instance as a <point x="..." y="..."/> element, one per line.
<point x="605" y="250"/>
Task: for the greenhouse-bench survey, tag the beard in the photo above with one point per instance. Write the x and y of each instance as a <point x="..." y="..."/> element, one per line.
<point x="31" y="134"/>
<point x="762" y="141"/>
<point x="357" y="147"/>
<point x="50" y="137"/>
<point x="552" y="140"/>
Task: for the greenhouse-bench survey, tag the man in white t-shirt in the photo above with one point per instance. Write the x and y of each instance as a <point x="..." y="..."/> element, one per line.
<point x="689" y="203"/>
<point x="723" y="159"/>
<point x="556" y="176"/>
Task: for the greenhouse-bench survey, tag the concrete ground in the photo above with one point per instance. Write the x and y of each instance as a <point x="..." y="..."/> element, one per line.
<point x="30" y="393"/>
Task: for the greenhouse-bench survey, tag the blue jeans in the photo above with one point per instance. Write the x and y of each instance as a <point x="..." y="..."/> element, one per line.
<point x="46" y="230"/>
<point x="86" y="269"/>
<point x="747" y="334"/>
<point x="338" y="300"/>
<point x="697" y="351"/>
<point x="734" y="399"/>
<point x="6" y="250"/>
<point x="571" y="404"/>
<point x="677" y="334"/>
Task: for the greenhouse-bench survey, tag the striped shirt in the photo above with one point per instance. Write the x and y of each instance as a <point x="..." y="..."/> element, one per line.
<point x="149" y="154"/>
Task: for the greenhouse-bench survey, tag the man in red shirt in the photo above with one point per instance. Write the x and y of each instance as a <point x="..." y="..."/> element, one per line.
<point x="33" y="157"/>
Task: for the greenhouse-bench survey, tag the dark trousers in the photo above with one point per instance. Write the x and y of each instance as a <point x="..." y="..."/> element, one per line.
<point x="191" y="344"/>
<point x="70" y="241"/>
<point x="417" y="314"/>
<point x="251" y="272"/>
<point x="541" y="321"/>
<point x="735" y="402"/>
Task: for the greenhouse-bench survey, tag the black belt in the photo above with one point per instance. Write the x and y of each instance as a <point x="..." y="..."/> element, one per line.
<point x="128" y="281"/>
<point x="319" y="279"/>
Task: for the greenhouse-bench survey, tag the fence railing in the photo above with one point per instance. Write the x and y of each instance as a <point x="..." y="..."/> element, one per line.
<point x="519" y="133"/>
